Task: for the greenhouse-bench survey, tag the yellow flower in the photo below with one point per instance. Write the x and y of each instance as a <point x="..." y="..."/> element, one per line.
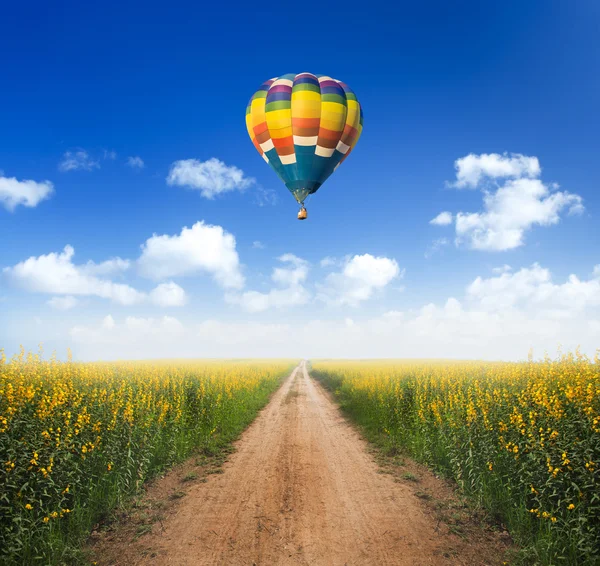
<point x="29" y="507"/>
<point x="46" y="519"/>
<point x="571" y="506"/>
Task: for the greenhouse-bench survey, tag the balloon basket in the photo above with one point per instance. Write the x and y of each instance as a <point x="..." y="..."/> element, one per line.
<point x="302" y="214"/>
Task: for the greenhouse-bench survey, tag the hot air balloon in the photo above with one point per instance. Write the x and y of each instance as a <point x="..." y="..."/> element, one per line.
<point x="304" y="126"/>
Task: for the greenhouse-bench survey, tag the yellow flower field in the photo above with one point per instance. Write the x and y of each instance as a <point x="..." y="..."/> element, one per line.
<point x="78" y="438"/>
<point x="522" y="438"/>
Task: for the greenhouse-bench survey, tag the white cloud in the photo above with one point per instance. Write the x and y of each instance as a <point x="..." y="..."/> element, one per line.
<point x="168" y="295"/>
<point x="168" y="337"/>
<point x="472" y="169"/>
<point x="74" y="160"/>
<point x="532" y="289"/>
<point x="502" y="269"/>
<point x="55" y="273"/>
<point x="442" y="219"/>
<point x="293" y="275"/>
<point x="436" y="246"/>
<point x="63" y="303"/>
<point x="25" y="193"/>
<point x="596" y="272"/>
<point x="509" y="209"/>
<point x="254" y="301"/>
<point x="512" y="210"/>
<point x="361" y="276"/>
<point x="211" y="177"/>
<point x="499" y="317"/>
<point x="135" y="162"/>
<point x="201" y="248"/>
<point x="291" y="291"/>
<point x="110" y="154"/>
<point x="258" y="245"/>
<point x="328" y="262"/>
<point x="136" y="337"/>
<point x="108" y="267"/>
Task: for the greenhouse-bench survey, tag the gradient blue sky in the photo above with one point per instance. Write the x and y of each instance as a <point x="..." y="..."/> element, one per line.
<point x="437" y="81"/>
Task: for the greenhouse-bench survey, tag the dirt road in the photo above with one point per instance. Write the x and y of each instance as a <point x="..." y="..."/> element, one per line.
<point x="301" y="489"/>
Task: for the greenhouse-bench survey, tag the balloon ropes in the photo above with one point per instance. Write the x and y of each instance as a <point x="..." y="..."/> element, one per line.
<point x="304" y="126"/>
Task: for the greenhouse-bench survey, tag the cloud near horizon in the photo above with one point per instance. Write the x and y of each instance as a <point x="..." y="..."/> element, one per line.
<point x="499" y="317"/>
<point x="56" y="274"/>
<point x="289" y="291"/>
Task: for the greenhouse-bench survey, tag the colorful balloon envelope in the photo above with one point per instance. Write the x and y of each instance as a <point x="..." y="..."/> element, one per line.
<point x="304" y="126"/>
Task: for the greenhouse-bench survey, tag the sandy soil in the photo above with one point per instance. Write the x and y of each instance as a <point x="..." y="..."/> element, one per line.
<point x="301" y="489"/>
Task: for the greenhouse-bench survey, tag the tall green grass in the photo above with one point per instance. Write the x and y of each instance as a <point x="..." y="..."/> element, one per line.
<point x="522" y="440"/>
<point x="77" y="440"/>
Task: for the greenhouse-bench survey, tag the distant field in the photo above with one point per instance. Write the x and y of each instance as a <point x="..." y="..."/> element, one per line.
<point x="522" y="438"/>
<point x="76" y="439"/>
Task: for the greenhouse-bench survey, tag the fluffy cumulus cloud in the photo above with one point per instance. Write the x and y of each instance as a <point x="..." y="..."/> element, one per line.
<point x="511" y="208"/>
<point x="56" y="274"/>
<point x="203" y="248"/>
<point x="532" y="289"/>
<point x="498" y="317"/>
<point x="472" y="169"/>
<point x="211" y="177"/>
<point x="289" y="291"/>
<point x="77" y="160"/>
<point x="135" y="162"/>
<point x="27" y="193"/>
<point x="361" y="276"/>
<point x="168" y="295"/>
<point x="295" y="273"/>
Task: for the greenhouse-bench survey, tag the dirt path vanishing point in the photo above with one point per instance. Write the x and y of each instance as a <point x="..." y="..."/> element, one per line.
<point x="301" y="489"/>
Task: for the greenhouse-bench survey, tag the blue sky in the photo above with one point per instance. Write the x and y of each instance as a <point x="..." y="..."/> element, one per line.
<point x="87" y="86"/>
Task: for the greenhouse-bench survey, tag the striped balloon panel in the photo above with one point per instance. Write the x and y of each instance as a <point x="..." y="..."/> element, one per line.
<point x="304" y="126"/>
<point x="353" y="126"/>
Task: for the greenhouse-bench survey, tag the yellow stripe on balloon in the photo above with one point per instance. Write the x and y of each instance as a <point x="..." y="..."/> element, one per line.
<point x="257" y="111"/>
<point x="333" y="116"/>
<point x="281" y="132"/>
